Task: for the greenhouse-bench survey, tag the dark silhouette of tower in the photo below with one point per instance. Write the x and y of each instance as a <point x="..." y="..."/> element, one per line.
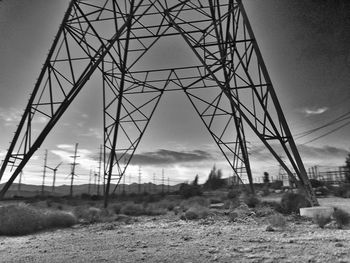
<point x="227" y="83"/>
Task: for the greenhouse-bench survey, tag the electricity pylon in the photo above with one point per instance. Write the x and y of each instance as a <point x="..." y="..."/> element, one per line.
<point x="226" y="81"/>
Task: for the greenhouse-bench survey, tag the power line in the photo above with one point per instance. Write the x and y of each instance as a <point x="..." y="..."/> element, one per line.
<point x="325" y="134"/>
<point x="340" y="118"/>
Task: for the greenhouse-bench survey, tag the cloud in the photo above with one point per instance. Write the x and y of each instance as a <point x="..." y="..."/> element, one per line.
<point x="168" y="157"/>
<point x="327" y="154"/>
<point x="313" y="155"/>
<point x="65" y="146"/>
<point x="84" y="158"/>
<point x="164" y="157"/>
<point x="93" y="132"/>
<point x="314" y="111"/>
<point x="10" y="116"/>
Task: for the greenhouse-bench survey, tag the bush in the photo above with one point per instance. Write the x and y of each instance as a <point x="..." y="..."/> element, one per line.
<point x="166" y="204"/>
<point x="132" y="209"/>
<point x="292" y="202"/>
<point x="342" y="191"/>
<point x="116" y="208"/>
<point x="316" y="183"/>
<point x="88" y="215"/>
<point x="153" y="210"/>
<point x="274" y="205"/>
<point x="342" y="218"/>
<point x="188" y="190"/>
<point x="23" y="219"/>
<point x="58" y="219"/>
<point x="277" y="220"/>
<point x="251" y="200"/>
<point x="321" y="220"/>
<point x="194" y="201"/>
<point x="196" y="212"/>
<point x="278" y="184"/>
<point x="321" y="191"/>
<point x="234" y="194"/>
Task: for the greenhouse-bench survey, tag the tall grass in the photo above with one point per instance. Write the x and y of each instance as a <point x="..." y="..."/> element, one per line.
<point x="24" y="219"/>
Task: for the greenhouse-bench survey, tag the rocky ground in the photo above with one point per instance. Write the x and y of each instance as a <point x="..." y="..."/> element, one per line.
<point x="169" y="239"/>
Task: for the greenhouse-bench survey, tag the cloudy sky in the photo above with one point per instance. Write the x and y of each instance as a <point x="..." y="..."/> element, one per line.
<point x="305" y="45"/>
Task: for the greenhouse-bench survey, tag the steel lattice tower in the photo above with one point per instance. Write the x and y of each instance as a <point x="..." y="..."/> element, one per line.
<point x="228" y="85"/>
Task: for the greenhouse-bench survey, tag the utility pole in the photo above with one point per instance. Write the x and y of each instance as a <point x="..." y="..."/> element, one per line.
<point x="168" y="185"/>
<point x="162" y="181"/>
<point x="139" y="186"/>
<point x="124" y="184"/>
<point x="44" y="173"/>
<point x="99" y="171"/>
<point x="89" y="188"/>
<point x="73" y="169"/>
<point x="95" y="182"/>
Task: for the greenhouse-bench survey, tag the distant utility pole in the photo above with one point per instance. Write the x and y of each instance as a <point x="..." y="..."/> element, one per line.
<point x="124" y="175"/>
<point x="162" y="181"/>
<point x="154" y="183"/>
<point x="74" y="164"/>
<point x="89" y="188"/>
<point x="44" y="173"/>
<point x="168" y="185"/>
<point x="139" y="186"/>
<point x="99" y="171"/>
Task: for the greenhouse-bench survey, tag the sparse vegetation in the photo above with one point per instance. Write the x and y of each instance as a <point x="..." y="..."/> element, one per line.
<point x="25" y="219"/>
<point x="251" y="200"/>
<point x="214" y="180"/>
<point x="321" y="220"/>
<point x="132" y="209"/>
<point x="196" y="212"/>
<point x="342" y="218"/>
<point x="234" y="194"/>
<point x="190" y="190"/>
<point x="342" y="191"/>
<point x="292" y="202"/>
<point x="194" y="201"/>
<point x="277" y="221"/>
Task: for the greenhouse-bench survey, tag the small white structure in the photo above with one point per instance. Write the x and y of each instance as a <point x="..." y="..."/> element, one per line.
<point x="312" y="212"/>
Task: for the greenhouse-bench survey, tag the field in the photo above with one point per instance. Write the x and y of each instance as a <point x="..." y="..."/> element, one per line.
<point x="167" y="238"/>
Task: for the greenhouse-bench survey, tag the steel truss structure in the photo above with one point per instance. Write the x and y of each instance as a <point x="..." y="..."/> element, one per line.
<point x="227" y="82"/>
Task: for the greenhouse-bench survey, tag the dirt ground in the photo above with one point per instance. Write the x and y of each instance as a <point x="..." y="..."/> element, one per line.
<point x="169" y="239"/>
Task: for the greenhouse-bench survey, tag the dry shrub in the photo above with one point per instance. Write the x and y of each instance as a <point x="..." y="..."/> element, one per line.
<point x="132" y="209"/>
<point x="321" y="220"/>
<point x="234" y="194"/>
<point x="116" y="208"/>
<point x="292" y="202"/>
<point x="165" y="204"/>
<point x="154" y="210"/>
<point x="251" y="200"/>
<point x="90" y="215"/>
<point x="196" y="212"/>
<point x="342" y="218"/>
<point x="277" y="220"/>
<point x="24" y="219"/>
<point x="58" y="219"/>
<point x="240" y="213"/>
<point x="194" y="201"/>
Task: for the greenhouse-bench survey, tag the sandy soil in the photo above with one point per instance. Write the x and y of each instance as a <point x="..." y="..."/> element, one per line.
<point x="169" y="239"/>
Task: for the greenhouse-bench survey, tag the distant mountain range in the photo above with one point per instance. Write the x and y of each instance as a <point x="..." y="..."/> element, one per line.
<point x="27" y="190"/>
